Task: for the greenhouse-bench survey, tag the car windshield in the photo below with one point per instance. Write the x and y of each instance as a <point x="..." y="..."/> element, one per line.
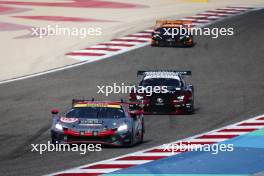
<point x="96" y="112"/>
<point x="161" y="82"/>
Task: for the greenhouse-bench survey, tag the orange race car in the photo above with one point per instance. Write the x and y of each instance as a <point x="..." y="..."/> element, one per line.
<point x="172" y="33"/>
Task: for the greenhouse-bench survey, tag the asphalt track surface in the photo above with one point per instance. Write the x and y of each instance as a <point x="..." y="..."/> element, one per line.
<point x="227" y="75"/>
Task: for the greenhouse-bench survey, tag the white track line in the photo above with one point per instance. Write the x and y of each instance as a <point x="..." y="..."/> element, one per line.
<point x="100" y="171"/>
<point x="134" y="162"/>
<point x="197" y="20"/>
<point x="93" y="51"/>
<point x="135" y="38"/>
<point x="207" y="140"/>
<point x="149" y="30"/>
<point x="235" y="9"/>
<point x="123" y="42"/>
<point x="142" y="34"/>
<point x="105" y="46"/>
<point x="156" y="154"/>
<point x="245" y="127"/>
<point x="230" y="133"/>
<point x="220" y="15"/>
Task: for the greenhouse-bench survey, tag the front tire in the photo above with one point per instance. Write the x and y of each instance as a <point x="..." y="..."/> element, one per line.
<point x="54" y="138"/>
<point x="132" y="138"/>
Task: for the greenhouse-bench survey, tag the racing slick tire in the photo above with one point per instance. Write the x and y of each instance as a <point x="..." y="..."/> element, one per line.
<point x="131" y="143"/>
<point x="155" y="44"/>
<point x="54" y="139"/>
<point x="142" y="136"/>
<point x="190" y="110"/>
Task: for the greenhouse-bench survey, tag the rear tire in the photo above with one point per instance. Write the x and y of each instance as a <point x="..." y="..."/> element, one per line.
<point x="142" y="136"/>
<point x="191" y="109"/>
<point x="155" y="43"/>
<point x="132" y="138"/>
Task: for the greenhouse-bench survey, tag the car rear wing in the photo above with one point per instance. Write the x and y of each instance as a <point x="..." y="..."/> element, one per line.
<point x="181" y="72"/>
<point x="131" y="104"/>
<point x="75" y="101"/>
<point x="160" y="23"/>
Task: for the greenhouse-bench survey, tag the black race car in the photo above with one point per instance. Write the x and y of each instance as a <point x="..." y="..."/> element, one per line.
<point x="103" y="122"/>
<point x="164" y="92"/>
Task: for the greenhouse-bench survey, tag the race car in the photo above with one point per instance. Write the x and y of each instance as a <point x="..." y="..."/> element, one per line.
<point x="99" y="122"/>
<point x="172" y="33"/>
<point x="164" y="92"/>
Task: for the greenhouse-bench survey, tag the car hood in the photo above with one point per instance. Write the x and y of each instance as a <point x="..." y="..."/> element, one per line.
<point x="95" y="124"/>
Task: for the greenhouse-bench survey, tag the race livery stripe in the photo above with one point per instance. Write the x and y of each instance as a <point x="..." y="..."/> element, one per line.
<point x="141" y="39"/>
<point x="163" y="151"/>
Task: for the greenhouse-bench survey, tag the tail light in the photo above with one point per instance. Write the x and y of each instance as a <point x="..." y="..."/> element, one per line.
<point x="187" y="96"/>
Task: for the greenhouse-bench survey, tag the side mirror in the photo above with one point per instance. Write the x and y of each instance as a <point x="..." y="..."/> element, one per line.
<point x="54" y="111"/>
<point x="133" y="92"/>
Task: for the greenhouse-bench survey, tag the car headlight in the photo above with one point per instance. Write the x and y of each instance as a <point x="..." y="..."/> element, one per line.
<point x="139" y="97"/>
<point x="180" y="97"/>
<point x="186" y="37"/>
<point x="122" y="128"/>
<point x="59" y="127"/>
